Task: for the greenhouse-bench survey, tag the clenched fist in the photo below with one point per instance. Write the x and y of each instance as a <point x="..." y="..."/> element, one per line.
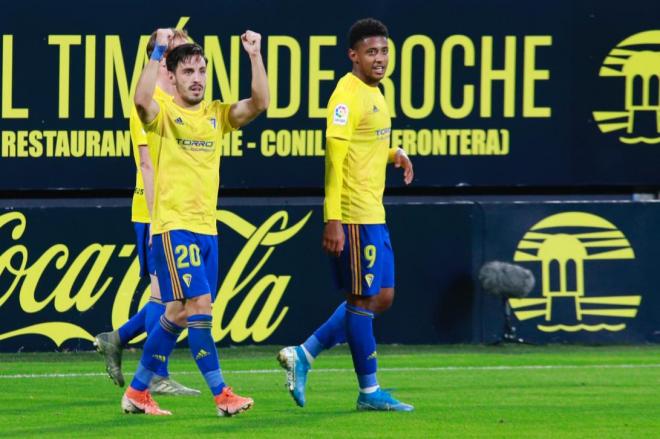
<point x="251" y="42"/>
<point x="164" y="36"/>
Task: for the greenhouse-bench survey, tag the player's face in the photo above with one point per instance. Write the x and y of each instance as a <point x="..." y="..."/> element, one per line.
<point x="190" y="80"/>
<point x="370" y="57"/>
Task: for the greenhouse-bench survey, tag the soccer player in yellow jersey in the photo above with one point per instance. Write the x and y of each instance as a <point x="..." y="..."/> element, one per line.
<point x="355" y="233"/>
<point x="185" y="244"/>
<point x="110" y="344"/>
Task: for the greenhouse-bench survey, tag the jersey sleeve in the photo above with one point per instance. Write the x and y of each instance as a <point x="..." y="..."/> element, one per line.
<point x="156" y="125"/>
<point x="222" y="113"/>
<point x="343" y="117"/>
<point x="391" y="154"/>
<point x="335" y="155"/>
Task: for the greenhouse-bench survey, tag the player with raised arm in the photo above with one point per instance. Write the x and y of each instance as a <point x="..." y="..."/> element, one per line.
<point x="184" y="215"/>
<point x="355" y="233"/>
<point x="111" y="344"/>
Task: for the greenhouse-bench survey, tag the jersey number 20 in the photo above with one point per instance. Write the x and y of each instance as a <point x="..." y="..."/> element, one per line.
<point x="183" y="260"/>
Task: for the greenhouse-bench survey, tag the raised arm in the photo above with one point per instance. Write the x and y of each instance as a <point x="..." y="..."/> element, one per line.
<point x="145" y="104"/>
<point x="245" y="111"/>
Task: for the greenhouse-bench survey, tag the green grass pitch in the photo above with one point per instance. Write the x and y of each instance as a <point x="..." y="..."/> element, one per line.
<point x="458" y="392"/>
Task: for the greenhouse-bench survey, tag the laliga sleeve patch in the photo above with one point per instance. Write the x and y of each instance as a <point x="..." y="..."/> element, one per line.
<point x="340" y="116"/>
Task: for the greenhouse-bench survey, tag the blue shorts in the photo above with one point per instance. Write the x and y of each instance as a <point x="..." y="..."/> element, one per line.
<point x="145" y="255"/>
<point x="367" y="262"/>
<point x="186" y="264"/>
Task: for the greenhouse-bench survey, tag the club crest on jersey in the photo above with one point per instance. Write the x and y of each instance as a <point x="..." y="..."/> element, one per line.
<point x="213" y="122"/>
<point x="340" y="115"/>
<point x="187" y="278"/>
<point x="178" y="121"/>
<point x="375" y="109"/>
<point x="369" y="278"/>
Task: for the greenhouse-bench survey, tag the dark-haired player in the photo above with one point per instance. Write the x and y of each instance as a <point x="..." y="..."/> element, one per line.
<point x="184" y="228"/>
<point x="355" y="233"/>
<point x="111" y="344"/>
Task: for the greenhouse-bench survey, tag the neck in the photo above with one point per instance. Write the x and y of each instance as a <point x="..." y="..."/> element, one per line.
<point x="183" y="104"/>
<point x="370" y="82"/>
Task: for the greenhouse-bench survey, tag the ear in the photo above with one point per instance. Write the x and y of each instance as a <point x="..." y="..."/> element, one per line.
<point x="352" y="55"/>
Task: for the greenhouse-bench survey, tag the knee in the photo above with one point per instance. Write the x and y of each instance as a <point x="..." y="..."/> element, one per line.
<point x="176" y="314"/>
<point x="377" y="304"/>
<point x="199" y="305"/>
<point x="182" y="316"/>
<point x="383" y="301"/>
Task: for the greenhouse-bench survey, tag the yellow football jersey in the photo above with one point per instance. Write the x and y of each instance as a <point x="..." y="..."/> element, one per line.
<point x="188" y="167"/>
<point x="139" y="210"/>
<point x="359" y="114"/>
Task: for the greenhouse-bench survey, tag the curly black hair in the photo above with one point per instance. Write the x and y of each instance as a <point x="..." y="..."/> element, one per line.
<point x="365" y="28"/>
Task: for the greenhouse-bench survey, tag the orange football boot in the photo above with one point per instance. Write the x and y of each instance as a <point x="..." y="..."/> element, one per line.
<point x="136" y="401"/>
<point x="230" y="404"/>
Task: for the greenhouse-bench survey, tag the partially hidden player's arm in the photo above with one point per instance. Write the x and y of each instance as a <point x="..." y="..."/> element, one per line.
<point x="333" y="233"/>
<point x="245" y="111"/>
<point x="400" y="159"/>
<point x="145" y="104"/>
<point x="147" y="169"/>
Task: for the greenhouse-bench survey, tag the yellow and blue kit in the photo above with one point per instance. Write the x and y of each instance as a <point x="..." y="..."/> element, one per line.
<point x="359" y="117"/>
<point x="185" y="199"/>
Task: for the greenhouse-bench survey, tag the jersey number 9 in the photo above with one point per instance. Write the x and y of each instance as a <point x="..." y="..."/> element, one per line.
<point x="370" y="255"/>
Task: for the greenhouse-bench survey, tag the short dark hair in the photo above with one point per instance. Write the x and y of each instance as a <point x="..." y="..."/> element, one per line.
<point x="178" y="33"/>
<point x="183" y="53"/>
<point x="365" y="28"/>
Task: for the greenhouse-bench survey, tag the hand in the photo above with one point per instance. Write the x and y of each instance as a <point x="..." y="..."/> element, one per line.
<point x="151" y="237"/>
<point x="401" y="160"/>
<point x="164" y="37"/>
<point x="251" y="42"/>
<point x="333" y="238"/>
